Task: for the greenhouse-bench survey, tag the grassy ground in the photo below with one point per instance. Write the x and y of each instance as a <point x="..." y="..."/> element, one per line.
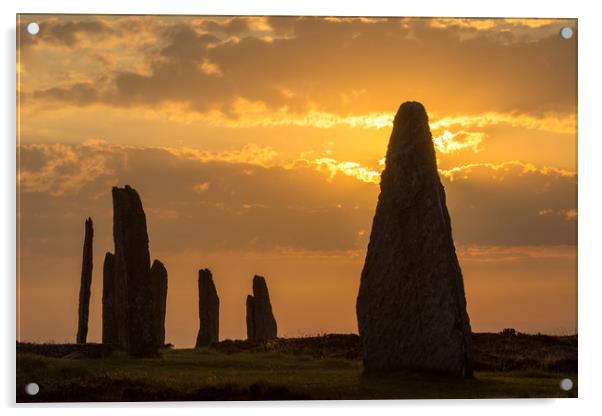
<point x="212" y="375"/>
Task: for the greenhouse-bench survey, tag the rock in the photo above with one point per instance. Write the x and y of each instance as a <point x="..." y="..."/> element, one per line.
<point x="263" y="326"/>
<point x="86" y="281"/>
<point x="411" y="306"/>
<point x="109" y="323"/>
<point x="208" y="310"/>
<point x="250" y="318"/>
<point x="133" y="286"/>
<point x="159" y="285"/>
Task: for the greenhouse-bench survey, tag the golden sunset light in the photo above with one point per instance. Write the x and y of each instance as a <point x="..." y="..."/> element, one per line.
<point x="257" y="146"/>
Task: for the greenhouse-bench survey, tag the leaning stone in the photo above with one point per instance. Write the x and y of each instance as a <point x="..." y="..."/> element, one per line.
<point x="86" y="282"/>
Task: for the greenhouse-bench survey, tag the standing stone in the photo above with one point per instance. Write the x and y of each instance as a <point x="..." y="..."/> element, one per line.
<point x="109" y="320"/>
<point x="411" y="306"/>
<point x="159" y="285"/>
<point x="208" y="310"/>
<point x="86" y="281"/>
<point x="250" y="318"/>
<point x="133" y="286"/>
<point x="263" y="326"/>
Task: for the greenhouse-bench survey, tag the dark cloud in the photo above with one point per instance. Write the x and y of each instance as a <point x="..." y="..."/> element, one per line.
<point x="317" y="60"/>
<point x="218" y="205"/>
<point x="82" y="93"/>
<point x="65" y="32"/>
<point x="511" y="205"/>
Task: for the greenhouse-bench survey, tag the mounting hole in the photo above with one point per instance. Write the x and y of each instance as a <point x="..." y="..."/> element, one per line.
<point x="33" y="28"/>
<point x="566" y="32"/>
<point x="32" y="389"/>
<point x="566" y="384"/>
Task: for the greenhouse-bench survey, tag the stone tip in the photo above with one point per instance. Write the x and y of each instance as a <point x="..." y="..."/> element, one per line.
<point x="258" y="277"/>
<point x="125" y="188"/>
<point x="410" y="109"/>
<point x="157" y="263"/>
<point x="205" y="274"/>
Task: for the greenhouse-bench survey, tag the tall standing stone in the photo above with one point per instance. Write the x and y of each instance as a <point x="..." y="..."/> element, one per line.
<point x="411" y="306"/>
<point x="263" y="324"/>
<point x="159" y="286"/>
<point x="86" y="281"/>
<point x="133" y="285"/>
<point x="109" y="320"/>
<point x="208" y="310"/>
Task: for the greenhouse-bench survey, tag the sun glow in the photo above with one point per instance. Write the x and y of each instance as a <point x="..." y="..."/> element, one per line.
<point x="353" y="169"/>
<point x="448" y="142"/>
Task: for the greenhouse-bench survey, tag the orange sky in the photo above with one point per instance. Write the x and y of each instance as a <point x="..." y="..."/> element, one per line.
<point x="256" y="145"/>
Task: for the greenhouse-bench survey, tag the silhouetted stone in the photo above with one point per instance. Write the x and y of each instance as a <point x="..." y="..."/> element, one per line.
<point x="109" y="323"/>
<point x="250" y="318"/>
<point x="411" y="306"/>
<point x="263" y="326"/>
<point x="86" y="281"/>
<point x="159" y="285"/>
<point x="133" y="286"/>
<point x="208" y="310"/>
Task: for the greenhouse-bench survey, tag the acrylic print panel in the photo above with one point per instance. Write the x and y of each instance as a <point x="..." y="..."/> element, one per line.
<point x="272" y="208"/>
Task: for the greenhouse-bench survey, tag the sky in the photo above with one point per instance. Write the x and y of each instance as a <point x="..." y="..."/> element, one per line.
<point x="256" y="145"/>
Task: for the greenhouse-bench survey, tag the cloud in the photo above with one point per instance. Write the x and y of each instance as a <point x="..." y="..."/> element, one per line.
<point x="353" y="169"/>
<point x="249" y="154"/>
<point x="478" y="24"/>
<point x="83" y="93"/>
<point x="241" y="209"/>
<point x="502" y="254"/>
<point x="68" y="32"/>
<point x="89" y="31"/>
<point x="570" y="214"/>
<point x="64" y="32"/>
<point x="311" y="64"/>
<point x="500" y="171"/>
<point x="488" y="172"/>
<point x="201" y="187"/>
<point x="58" y="169"/>
<point x="230" y="28"/>
<point x="498" y="26"/>
<point x="449" y="142"/>
<point x="547" y="122"/>
<point x="509" y="203"/>
<point x="212" y="200"/>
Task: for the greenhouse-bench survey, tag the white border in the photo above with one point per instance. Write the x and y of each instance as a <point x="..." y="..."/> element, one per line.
<point x="590" y="230"/>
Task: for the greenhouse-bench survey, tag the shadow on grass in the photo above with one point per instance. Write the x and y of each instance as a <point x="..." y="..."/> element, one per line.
<point x="415" y="385"/>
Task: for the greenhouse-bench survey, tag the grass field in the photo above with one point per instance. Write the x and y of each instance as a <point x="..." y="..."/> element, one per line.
<point x="187" y="374"/>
